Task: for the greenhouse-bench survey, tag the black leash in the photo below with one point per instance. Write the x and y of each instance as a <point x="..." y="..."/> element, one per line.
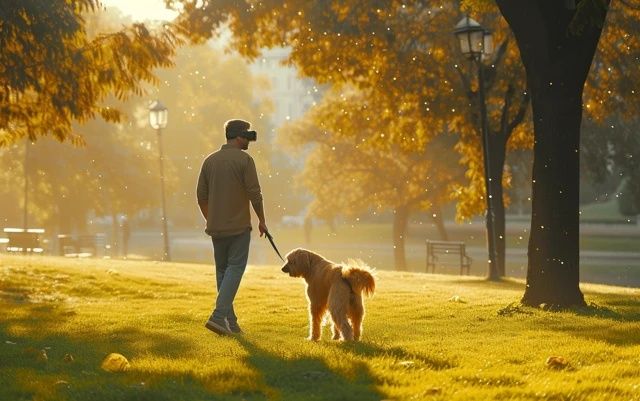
<point x="270" y="238"/>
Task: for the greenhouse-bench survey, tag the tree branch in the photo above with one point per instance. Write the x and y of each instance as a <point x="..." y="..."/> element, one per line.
<point x="524" y="105"/>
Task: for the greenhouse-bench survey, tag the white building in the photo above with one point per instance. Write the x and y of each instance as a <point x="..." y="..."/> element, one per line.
<point x="291" y="96"/>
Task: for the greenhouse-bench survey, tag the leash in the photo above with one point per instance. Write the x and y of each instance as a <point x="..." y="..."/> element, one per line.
<point x="270" y="238"/>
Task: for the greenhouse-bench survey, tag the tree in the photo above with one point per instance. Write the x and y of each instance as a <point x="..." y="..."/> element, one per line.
<point x="54" y="72"/>
<point x="115" y="171"/>
<point x="354" y="169"/>
<point x="109" y="176"/>
<point x="557" y="64"/>
<point x="385" y="46"/>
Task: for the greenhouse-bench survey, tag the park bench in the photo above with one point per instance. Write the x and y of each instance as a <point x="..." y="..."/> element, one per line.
<point x="24" y="240"/>
<point x="82" y="245"/>
<point x="447" y="252"/>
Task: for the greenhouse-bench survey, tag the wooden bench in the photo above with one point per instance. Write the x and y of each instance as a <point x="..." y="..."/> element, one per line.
<point x="25" y="241"/>
<point x="447" y="252"/>
<point x="81" y="245"/>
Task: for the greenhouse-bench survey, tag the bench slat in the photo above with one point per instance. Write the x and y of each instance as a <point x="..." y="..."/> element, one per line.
<point x="447" y="248"/>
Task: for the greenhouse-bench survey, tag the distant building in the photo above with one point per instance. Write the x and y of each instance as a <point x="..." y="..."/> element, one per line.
<point x="291" y="96"/>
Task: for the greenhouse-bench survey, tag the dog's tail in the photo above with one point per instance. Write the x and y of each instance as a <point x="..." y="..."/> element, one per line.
<point x="360" y="277"/>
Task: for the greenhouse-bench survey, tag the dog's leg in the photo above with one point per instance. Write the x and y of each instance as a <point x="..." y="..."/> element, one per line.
<point x="336" y="332"/>
<point x="356" y="314"/>
<point x="357" y="327"/>
<point x="316" y="313"/>
<point x="338" y="308"/>
<point x="341" y="323"/>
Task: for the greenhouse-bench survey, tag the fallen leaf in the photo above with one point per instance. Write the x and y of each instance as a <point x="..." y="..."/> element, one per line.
<point x="456" y="298"/>
<point x="37" y="354"/>
<point x="115" y="362"/>
<point x="68" y="358"/>
<point x="556" y="362"/>
<point x="406" y="364"/>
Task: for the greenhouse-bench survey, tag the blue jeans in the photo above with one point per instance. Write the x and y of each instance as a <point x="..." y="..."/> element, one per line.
<point x="230" y="254"/>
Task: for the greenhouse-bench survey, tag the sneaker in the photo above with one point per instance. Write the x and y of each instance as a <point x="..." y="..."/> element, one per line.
<point x="218" y="327"/>
<point x="235" y="328"/>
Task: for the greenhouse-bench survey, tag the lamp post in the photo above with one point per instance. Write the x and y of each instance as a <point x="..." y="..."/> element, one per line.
<point x="476" y="43"/>
<point x="158" y="117"/>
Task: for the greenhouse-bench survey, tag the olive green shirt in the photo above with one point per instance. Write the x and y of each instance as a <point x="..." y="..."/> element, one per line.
<point x="228" y="181"/>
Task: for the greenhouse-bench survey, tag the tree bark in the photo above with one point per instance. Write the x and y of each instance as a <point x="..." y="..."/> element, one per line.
<point x="496" y="170"/>
<point x="436" y="215"/>
<point x="400" y="222"/>
<point x="557" y="63"/>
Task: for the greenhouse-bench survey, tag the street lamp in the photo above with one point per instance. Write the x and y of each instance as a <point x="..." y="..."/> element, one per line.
<point x="158" y="117"/>
<point x="476" y="43"/>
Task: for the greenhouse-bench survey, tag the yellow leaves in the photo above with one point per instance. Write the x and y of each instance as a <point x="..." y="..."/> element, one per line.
<point x="67" y="75"/>
<point x="522" y="137"/>
<point x="340" y="9"/>
<point x="478" y="6"/>
<point x="110" y="114"/>
<point x="457" y="123"/>
<point x="370" y="153"/>
<point x="439" y="54"/>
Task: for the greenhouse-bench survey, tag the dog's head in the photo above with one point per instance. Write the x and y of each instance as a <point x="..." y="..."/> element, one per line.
<point x="297" y="263"/>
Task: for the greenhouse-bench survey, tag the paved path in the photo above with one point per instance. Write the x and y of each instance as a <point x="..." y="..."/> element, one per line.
<point x="618" y="268"/>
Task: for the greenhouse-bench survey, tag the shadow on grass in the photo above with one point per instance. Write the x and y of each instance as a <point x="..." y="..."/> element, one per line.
<point x="504" y="283"/>
<point x="617" y="322"/>
<point x="26" y="374"/>
<point x="405" y="358"/>
<point x="619" y="308"/>
<point x="309" y="378"/>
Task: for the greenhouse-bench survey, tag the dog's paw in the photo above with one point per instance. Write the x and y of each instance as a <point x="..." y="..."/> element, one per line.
<point x="314" y="339"/>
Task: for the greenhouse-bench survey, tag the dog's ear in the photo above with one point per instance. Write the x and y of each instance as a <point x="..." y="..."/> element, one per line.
<point x="302" y="259"/>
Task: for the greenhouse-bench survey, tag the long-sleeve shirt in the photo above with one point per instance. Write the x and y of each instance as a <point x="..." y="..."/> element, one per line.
<point x="228" y="181"/>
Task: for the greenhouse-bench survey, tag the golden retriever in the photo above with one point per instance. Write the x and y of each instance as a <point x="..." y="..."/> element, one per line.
<point x="334" y="287"/>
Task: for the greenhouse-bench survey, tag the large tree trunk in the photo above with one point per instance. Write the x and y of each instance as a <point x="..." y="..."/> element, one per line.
<point x="400" y="222"/>
<point x="557" y="63"/>
<point x="496" y="170"/>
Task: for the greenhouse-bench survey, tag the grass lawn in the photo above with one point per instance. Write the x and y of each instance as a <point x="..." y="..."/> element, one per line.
<point x="420" y="340"/>
<point x="604" y="211"/>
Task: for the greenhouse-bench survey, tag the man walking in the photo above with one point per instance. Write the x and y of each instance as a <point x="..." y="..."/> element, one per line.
<point x="228" y="182"/>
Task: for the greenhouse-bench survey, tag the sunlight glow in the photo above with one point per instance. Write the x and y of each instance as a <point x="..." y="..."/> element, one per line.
<point x="141" y="10"/>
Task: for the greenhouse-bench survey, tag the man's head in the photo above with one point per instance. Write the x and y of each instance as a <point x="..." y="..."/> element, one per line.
<point x="238" y="134"/>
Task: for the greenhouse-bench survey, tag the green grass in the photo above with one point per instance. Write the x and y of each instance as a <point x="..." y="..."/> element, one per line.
<point x="607" y="211"/>
<point x="417" y="343"/>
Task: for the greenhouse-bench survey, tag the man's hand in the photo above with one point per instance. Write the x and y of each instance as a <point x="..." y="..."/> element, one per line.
<point x="263" y="228"/>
